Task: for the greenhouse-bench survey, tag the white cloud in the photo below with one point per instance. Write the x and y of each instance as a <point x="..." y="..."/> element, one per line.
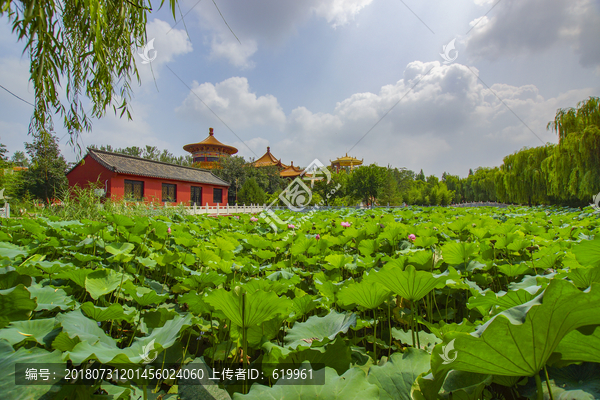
<point x="529" y="26"/>
<point x="234" y="103"/>
<point x="168" y="44"/>
<point x="340" y="12"/>
<point x="260" y="23"/>
<point x="448" y="122"/>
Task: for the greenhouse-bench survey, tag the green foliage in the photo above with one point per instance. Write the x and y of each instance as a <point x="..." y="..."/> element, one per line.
<point x="382" y="312"/>
<point x="251" y="193"/>
<point x="366" y="183"/>
<point x="149" y="153"/>
<point x="83" y="48"/>
<point x="46" y="178"/>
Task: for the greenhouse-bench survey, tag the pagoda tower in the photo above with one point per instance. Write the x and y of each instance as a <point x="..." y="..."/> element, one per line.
<point x="345" y="162"/>
<point x="209" y="152"/>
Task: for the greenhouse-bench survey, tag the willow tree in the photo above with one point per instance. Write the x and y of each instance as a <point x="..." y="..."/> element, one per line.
<point x="573" y="167"/>
<point x="85" y="47"/>
<point x="570" y="120"/>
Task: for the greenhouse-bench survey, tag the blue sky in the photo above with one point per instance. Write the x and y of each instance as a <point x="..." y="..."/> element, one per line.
<point x="311" y="78"/>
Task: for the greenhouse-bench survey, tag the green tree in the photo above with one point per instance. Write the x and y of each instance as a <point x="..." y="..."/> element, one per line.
<point x="20" y="159"/>
<point x="83" y="47"/>
<point x="570" y="120"/>
<point x="367" y="182"/>
<point x="389" y="192"/>
<point x="251" y="193"/>
<point x="45" y="179"/>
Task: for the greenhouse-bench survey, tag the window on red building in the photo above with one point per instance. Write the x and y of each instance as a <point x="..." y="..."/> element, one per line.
<point x="169" y="193"/>
<point x="218" y="196"/>
<point x="134" y="190"/>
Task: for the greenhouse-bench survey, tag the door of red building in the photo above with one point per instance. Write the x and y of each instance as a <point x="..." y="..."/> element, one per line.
<point x="196" y="195"/>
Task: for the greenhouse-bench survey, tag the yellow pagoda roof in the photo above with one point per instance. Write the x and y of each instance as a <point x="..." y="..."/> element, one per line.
<point x="268" y="160"/>
<point x="290" y="172"/>
<point x="210" y="141"/>
<point x="347" y="160"/>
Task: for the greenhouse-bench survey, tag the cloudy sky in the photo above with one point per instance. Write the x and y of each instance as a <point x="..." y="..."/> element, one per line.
<point x="319" y="78"/>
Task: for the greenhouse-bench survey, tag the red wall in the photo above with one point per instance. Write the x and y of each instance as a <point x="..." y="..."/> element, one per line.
<point x="82" y="174"/>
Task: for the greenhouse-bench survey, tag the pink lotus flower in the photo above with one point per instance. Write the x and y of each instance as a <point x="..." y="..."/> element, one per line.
<point x="318" y="236"/>
<point x="291" y="226"/>
<point x="253" y="219"/>
<point x="412" y="237"/>
<point x="169" y="230"/>
<point x="346" y="224"/>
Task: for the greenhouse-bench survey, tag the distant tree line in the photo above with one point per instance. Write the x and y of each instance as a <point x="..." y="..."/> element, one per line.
<point x="149" y="153"/>
<point x="567" y="173"/>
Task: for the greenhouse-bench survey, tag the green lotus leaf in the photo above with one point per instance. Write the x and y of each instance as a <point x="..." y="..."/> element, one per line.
<point x="142" y="295"/>
<point x="302" y="245"/>
<point x="464" y="385"/>
<point x="195" y="302"/>
<point x="49" y="298"/>
<point x="427" y="340"/>
<point x="303" y="305"/>
<point x="119" y="248"/>
<point x="459" y="253"/>
<point x="119" y="220"/>
<point x="9" y="358"/>
<point x="75" y="324"/>
<point x="113" y="312"/>
<point x="259" y="306"/>
<point x="12" y="251"/>
<point x="319" y="328"/>
<point x="337" y="261"/>
<point x="102" y="282"/>
<point x="52" y="267"/>
<point x="264" y="254"/>
<point x="336" y="355"/>
<point x="35" y="330"/>
<point x="108" y="352"/>
<point x="396" y="377"/>
<point x="12" y="279"/>
<point x="587" y="252"/>
<point x="76" y="275"/>
<point x="519" y="341"/>
<point x="501" y="303"/>
<point x="584" y="277"/>
<point x="366" y="294"/>
<point x="513" y="270"/>
<point x="582" y="344"/>
<point x="367" y="247"/>
<point x="352" y="385"/>
<point x="15" y="305"/>
<point x="409" y="284"/>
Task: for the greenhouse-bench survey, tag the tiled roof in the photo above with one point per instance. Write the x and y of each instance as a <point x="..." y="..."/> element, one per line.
<point x="210" y="141"/>
<point x="290" y="172"/>
<point x="268" y="160"/>
<point x="125" y="164"/>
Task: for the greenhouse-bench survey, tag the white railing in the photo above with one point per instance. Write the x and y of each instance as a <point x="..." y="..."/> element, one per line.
<point x="226" y="209"/>
<point x="5" y="211"/>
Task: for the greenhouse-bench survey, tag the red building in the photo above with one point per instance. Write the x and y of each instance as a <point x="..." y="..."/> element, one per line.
<point x="137" y="179"/>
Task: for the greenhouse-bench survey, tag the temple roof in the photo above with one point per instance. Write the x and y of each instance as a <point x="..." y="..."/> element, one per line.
<point x="268" y="160"/>
<point x="290" y="172"/>
<point x="131" y="165"/>
<point x="210" y="141"/>
<point x="347" y="160"/>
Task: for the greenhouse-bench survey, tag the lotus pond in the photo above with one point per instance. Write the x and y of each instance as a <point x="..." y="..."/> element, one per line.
<point x="413" y="303"/>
